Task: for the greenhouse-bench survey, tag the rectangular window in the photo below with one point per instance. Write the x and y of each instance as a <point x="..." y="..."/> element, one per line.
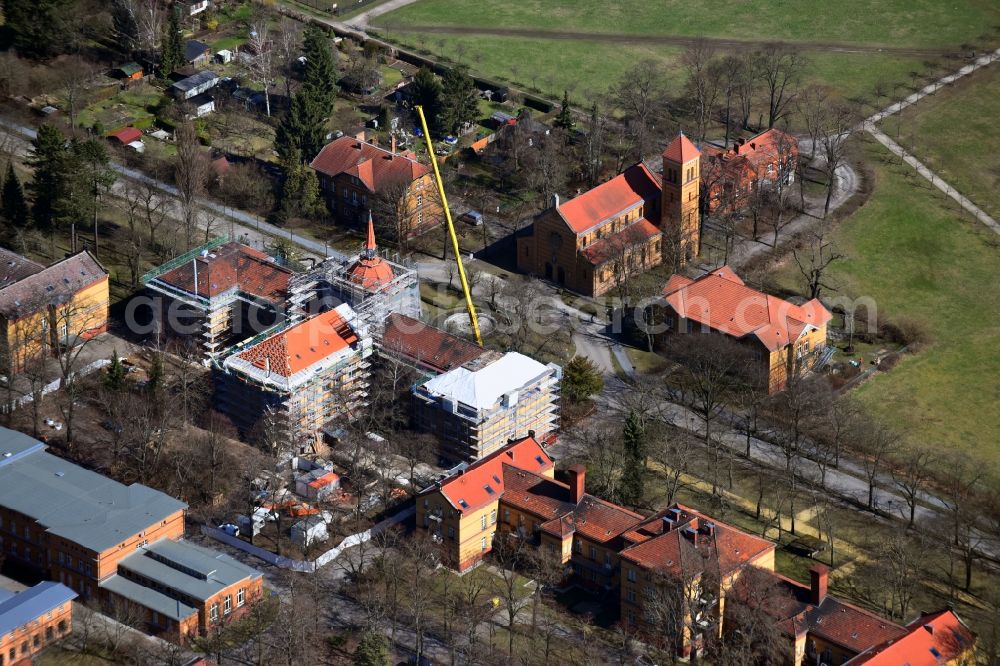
<point x="241" y="597"/>
<point x="631" y="575"/>
<point x="451" y="532"/>
<point x="214" y="612"/>
<point x="593" y="553"/>
<point x="493" y="517"/>
<point x="630" y="595"/>
<point x="482" y="544"/>
<point x="482" y="522"/>
<point x="227" y="605"/>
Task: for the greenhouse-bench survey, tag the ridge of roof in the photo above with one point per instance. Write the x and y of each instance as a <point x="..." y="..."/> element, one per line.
<point x="610" y="199"/>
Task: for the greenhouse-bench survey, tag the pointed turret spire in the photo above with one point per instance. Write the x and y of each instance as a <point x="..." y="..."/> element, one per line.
<point x="370" y="247"/>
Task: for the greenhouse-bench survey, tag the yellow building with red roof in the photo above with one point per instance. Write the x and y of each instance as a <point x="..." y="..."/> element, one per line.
<point x="297" y="377"/>
<point x="783" y="338"/>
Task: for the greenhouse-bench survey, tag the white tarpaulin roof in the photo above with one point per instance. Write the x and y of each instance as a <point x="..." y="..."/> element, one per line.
<point x="482" y="388"/>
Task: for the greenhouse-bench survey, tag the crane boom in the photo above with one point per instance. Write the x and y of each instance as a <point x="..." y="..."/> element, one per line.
<point x="470" y="306"/>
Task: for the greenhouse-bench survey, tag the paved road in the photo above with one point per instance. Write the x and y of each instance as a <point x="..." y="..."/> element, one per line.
<point x="871" y="126"/>
<point x="244" y="223"/>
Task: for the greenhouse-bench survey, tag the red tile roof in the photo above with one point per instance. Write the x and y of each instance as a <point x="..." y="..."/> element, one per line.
<point x="425" y="345"/>
<point x="942" y="632"/>
<point x="374" y="166"/>
<point x="834" y="621"/>
<point x="550" y="500"/>
<point x="747" y="156"/>
<point x="126" y="135"/>
<point x="228" y="266"/>
<point x="681" y="150"/>
<point x="302" y="345"/>
<point x="720" y="300"/>
<point x="609" y="200"/>
<point x="482" y="482"/>
<point x="609" y="247"/>
<point x="370" y="270"/>
<point x="673" y="549"/>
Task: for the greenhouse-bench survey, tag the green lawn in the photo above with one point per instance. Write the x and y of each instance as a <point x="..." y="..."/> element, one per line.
<point x="955" y="133"/>
<point x="911" y="251"/>
<point x="587" y="67"/>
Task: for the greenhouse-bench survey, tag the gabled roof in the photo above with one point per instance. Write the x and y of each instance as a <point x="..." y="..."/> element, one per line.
<point x="14" y="267"/>
<point x="481" y="388"/>
<point x="195" y="80"/>
<point x="193" y="49"/>
<point x="54" y="285"/>
<point x="721" y="301"/>
<point x="931" y="639"/>
<point x="425" y="345"/>
<point x="681" y="541"/>
<point x="126" y="135"/>
<point x="232" y="265"/>
<point x="17" y="610"/>
<point x="373" y="166"/>
<point x="833" y="620"/>
<point x="747" y="155"/>
<point x="610" y="199"/>
<point x="681" y="150"/>
<point x="482" y="482"/>
<point x="300" y="347"/>
<point x="610" y="247"/>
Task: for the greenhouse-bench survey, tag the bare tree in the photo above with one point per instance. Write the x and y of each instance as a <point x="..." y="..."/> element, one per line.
<point x="394" y="210"/>
<point x="875" y="443"/>
<point x="813" y="106"/>
<point x="840" y="127"/>
<point x="260" y="65"/>
<point x="191" y="172"/>
<point x="547" y="167"/>
<point x="747" y="78"/>
<point x="814" y="260"/>
<point x="641" y="97"/>
<point x="703" y="82"/>
<point x="780" y="68"/>
<point x="911" y="477"/>
<point x="677" y="456"/>
<point x="961" y="495"/>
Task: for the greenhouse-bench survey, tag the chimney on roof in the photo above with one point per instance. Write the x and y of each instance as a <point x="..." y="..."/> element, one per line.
<point x="818" y="578"/>
<point x="531" y="434"/>
<point x="577" y="477"/>
<point x="392" y="144"/>
<point x="929" y="628"/>
<point x="555" y="200"/>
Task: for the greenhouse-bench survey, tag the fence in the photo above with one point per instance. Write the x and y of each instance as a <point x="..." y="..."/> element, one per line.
<point x="308" y="566"/>
<point x="51" y="386"/>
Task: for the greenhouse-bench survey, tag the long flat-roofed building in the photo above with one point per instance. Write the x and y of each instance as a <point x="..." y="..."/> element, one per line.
<point x="34" y="619"/>
<point x="86" y="531"/>
<point x="478" y="407"/>
<point x="301" y="376"/>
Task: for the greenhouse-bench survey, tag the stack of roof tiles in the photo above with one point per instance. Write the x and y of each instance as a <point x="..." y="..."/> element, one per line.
<point x="426" y="346"/>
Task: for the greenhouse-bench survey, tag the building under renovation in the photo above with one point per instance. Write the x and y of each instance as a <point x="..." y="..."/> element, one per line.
<point x="373" y="285"/>
<point x="478" y="407"/>
<point x="217" y="294"/>
<point x="287" y="383"/>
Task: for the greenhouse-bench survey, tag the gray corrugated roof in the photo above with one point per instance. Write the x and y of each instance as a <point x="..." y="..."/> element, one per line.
<point x="195" y="80"/>
<point x="31" y="604"/>
<point x="191" y="570"/>
<point x="72" y="502"/>
<point x="52" y="285"/>
<point x="148" y="598"/>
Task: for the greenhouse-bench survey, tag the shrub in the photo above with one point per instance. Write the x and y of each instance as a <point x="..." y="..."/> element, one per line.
<point x="905" y="332"/>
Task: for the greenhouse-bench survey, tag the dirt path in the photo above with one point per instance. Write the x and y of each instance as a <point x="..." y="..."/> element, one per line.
<point x="662" y="40"/>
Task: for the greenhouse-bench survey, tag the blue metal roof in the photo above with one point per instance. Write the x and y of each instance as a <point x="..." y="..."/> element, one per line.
<point x="23" y="607"/>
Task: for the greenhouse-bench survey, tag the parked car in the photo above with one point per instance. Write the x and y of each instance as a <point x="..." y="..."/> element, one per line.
<point x="473" y="217"/>
<point x="230" y="529"/>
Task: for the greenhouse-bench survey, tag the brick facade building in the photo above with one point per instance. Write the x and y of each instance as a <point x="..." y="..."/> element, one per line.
<point x="595" y="241"/>
<point x="352" y="173"/>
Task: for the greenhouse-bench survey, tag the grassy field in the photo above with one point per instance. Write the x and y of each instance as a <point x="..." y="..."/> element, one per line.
<point x="955" y="133"/>
<point x="585" y="67"/>
<point x="911" y="250"/>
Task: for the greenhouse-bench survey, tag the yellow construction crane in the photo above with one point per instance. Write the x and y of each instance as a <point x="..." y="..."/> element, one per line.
<point x="470" y="306"/>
